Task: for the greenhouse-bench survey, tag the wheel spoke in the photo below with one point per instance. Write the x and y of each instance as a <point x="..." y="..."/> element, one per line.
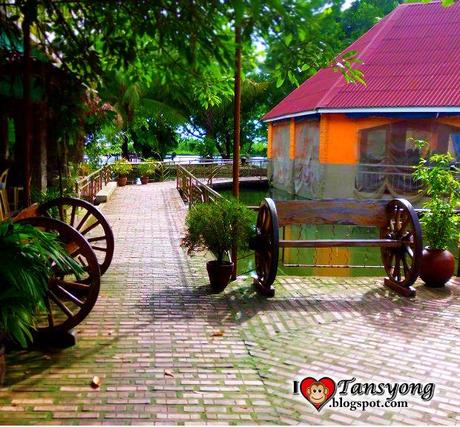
<point x="88" y="229"/>
<point x="70" y="284"/>
<point x="96" y="239"/>
<point x="72" y="215"/>
<point x="405" y="266"/>
<point x="60" y="304"/>
<point x="97" y="248"/>
<point x="409" y="251"/>
<point x="50" y="312"/>
<point x="397" y="218"/>
<point x="83" y="221"/>
<point x="70" y="296"/>
<point x="406" y="222"/>
<point x="397" y="268"/>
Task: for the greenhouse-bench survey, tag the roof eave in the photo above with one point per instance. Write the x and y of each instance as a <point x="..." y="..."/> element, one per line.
<point x="449" y="109"/>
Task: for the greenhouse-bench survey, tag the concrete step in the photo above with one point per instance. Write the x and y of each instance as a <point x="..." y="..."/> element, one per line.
<point x="104" y="194"/>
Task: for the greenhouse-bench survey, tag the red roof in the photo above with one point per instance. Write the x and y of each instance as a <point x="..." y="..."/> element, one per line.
<point x="411" y="59"/>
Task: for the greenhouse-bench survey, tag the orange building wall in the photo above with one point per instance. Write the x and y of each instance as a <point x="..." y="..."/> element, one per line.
<point x="338" y="142"/>
<point x="453" y="121"/>
<point x="339" y="136"/>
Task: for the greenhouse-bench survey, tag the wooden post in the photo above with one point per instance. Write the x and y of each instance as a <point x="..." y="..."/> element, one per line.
<point x="236" y="129"/>
<point x="292" y="139"/>
<point x="270" y="140"/>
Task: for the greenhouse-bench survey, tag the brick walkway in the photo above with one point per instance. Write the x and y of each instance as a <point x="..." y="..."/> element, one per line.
<point x="168" y="352"/>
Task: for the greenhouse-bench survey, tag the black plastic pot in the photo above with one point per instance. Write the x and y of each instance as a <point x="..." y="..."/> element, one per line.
<point x="219" y="274"/>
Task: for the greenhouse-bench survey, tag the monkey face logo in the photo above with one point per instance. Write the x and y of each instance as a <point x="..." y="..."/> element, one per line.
<point x="317" y="392"/>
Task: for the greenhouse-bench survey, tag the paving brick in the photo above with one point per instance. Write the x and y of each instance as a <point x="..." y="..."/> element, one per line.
<point x="150" y="340"/>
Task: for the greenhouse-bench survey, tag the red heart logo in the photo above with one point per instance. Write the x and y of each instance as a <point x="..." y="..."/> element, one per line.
<point x="318" y="392"/>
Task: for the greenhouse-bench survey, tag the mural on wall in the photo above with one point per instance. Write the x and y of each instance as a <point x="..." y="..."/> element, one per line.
<point x="281" y="163"/>
<point x="307" y="174"/>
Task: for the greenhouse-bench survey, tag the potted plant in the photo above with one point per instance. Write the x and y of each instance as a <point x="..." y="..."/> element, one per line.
<point x="439" y="220"/>
<point x="122" y="168"/>
<point x="146" y="170"/>
<point x="27" y="256"/>
<point x="217" y="227"/>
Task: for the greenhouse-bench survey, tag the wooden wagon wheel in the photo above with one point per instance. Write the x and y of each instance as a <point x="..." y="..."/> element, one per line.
<point x="266" y="247"/>
<point x="69" y="298"/>
<point x="402" y="263"/>
<point x="88" y="220"/>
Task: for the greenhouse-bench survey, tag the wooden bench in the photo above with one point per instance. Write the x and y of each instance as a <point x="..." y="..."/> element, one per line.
<point x="400" y="235"/>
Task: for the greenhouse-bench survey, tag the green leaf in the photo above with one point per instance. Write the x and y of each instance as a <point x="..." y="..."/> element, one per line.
<point x="288" y="39"/>
<point x="279" y="81"/>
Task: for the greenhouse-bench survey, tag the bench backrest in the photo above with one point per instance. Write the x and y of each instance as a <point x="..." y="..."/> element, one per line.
<point x="332" y="211"/>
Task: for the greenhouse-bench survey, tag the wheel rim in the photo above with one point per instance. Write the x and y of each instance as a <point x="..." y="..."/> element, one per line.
<point x="89" y="221"/>
<point x="69" y="299"/>
<point x="267" y="233"/>
<point x="402" y="264"/>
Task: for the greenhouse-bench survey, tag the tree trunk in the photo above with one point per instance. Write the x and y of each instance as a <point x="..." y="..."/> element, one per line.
<point x="124" y="146"/>
<point x="27" y="99"/>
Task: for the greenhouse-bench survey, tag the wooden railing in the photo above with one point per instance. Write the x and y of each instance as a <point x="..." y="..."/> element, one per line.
<point x="210" y="171"/>
<point x="192" y="189"/>
<point x="86" y="188"/>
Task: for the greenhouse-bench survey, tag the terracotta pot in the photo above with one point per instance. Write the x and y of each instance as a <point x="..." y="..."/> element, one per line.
<point x="219" y="274"/>
<point x="122" y="181"/>
<point x="437" y="267"/>
<point x="144" y="180"/>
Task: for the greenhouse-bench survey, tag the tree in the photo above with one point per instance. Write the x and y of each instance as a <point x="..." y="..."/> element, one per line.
<point x="215" y="123"/>
<point x="362" y="15"/>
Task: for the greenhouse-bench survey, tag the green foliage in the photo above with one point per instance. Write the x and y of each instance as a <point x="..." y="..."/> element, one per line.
<point x="440" y="222"/>
<point x="257" y="149"/>
<point x="217" y="121"/>
<point x="205" y="147"/>
<point x="27" y="255"/>
<point x="153" y="137"/>
<point x="218" y="226"/>
<point x="122" y="167"/>
<point x="147" y="169"/>
<point x="85" y="169"/>
<point x="51" y="193"/>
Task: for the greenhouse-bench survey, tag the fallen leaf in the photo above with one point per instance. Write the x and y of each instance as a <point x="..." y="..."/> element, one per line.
<point x="168" y="373"/>
<point x="96" y="382"/>
<point x="218" y="333"/>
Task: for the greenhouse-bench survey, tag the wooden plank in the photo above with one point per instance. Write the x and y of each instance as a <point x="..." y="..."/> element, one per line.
<point x="332" y="211"/>
<point x="379" y="243"/>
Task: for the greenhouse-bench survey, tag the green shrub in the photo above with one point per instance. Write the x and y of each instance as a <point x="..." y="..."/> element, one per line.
<point x="122" y="167"/>
<point x="440" y="222"/>
<point x="147" y="168"/>
<point x="26" y="255"/>
<point x="218" y="226"/>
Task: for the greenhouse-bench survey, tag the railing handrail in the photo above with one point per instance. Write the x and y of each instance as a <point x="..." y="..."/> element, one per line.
<point x="88" y="186"/>
<point x="92" y="174"/>
<point x="200" y="183"/>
